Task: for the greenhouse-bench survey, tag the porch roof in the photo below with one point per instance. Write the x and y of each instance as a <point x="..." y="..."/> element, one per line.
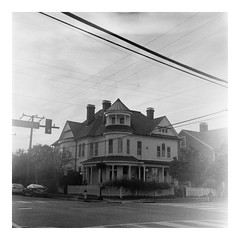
<point x="123" y="159"/>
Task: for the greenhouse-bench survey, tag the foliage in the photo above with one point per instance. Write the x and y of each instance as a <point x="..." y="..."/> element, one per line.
<point x="200" y="172"/>
<point x="34" y="166"/>
<point x="136" y="185"/>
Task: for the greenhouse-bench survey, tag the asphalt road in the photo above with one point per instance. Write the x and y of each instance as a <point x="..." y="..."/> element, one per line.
<point x="33" y="212"/>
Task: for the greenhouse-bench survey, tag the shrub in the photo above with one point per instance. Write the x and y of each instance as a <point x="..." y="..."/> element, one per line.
<point x="136" y="185"/>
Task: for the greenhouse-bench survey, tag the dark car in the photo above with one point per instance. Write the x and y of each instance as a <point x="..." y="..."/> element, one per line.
<point x="17" y="188"/>
<point x="35" y="190"/>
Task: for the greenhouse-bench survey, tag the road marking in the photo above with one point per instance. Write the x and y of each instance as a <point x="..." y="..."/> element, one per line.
<point x="172" y="224"/>
<point x="22" y="202"/>
<point x="208" y="224"/>
<point x="208" y="207"/>
<point x="14" y="225"/>
<point x="24" y="208"/>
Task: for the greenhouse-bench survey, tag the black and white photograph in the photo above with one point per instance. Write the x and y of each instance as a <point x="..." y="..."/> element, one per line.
<point x="120" y="119"/>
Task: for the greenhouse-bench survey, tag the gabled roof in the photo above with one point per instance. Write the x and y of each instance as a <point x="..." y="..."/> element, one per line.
<point x="140" y="124"/>
<point x="213" y="138"/>
<point x="118" y="106"/>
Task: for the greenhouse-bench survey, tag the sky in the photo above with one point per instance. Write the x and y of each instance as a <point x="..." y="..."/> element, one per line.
<point x="58" y="70"/>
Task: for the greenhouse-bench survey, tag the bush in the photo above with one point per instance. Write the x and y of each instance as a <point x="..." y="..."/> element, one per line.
<point x="136" y="185"/>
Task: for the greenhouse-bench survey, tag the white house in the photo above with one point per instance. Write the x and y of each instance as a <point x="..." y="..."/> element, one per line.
<point x="130" y="144"/>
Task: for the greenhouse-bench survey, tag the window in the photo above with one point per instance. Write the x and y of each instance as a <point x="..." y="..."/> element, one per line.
<point x="168" y="152"/>
<point x="113" y="120"/>
<point x="139" y="148"/>
<point x="128" y="146"/>
<point x="96" y="149"/>
<point x="83" y="149"/>
<point x="79" y="150"/>
<point x="158" y="151"/>
<point x="120" y="145"/>
<point x="121" y="119"/>
<point x="91" y="149"/>
<point x="110" y="146"/>
<point x="183" y="142"/>
<point x="163" y="150"/>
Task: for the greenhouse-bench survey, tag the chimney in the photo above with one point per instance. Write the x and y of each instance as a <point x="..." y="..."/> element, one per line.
<point x="90" y="113"/>
<point x="106" y="104"/>
<point x="203" y="127"/>
<point x="150" y="113"/>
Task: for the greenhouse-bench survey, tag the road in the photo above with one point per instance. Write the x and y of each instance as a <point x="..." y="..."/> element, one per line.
<point x="33" y="212"/>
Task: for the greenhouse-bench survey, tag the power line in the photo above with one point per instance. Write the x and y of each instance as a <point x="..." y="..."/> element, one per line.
<point x="224" y="110"/>
<point x="200" y="121"/>
<point x="142" y="47"/>
<point x="177" y="25"/>
<point x="203" y="78"/>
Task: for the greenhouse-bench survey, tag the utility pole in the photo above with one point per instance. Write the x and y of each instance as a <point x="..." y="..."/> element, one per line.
<point x="33" y="125"/>
<point x="31" y="118"/>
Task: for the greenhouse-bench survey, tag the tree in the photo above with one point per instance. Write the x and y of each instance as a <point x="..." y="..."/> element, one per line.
<point x="190" y="167"/>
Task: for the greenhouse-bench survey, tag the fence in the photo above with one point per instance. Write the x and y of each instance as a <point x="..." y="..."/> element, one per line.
<point x="114" y="192"/>
<point x="198" y="192"/>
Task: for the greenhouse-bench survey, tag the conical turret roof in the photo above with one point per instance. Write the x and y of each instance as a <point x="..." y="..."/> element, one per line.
<point x="118" y="106"/>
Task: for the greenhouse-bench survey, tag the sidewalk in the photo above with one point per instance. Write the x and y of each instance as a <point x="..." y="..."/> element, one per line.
<point x="111" y="200"/>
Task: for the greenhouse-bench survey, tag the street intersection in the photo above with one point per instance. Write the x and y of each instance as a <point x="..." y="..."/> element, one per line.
<point x="30" y="212"/>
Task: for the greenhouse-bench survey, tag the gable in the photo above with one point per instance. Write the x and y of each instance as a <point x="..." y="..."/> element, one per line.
<point x="66" y="132"/>
<point x="164" y="127"/>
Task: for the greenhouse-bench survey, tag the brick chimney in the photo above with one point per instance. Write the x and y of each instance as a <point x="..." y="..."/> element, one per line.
<point x="150" y="113"/>
<point x="90" y="113"/>
<point x="106" y="104"/>
<point x="203" y="127"/>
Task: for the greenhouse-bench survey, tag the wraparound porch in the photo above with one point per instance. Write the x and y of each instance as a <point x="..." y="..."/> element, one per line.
<point x="130" y="170"/>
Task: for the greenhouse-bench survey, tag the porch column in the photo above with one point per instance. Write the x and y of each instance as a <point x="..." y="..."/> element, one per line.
<point x="139" y="173"/>
<point x="163" y="174"/>
<point x="87" y="175"/>
<point x="159" y="175"/>
<point x="91" y="171"/>
<point x="112" y="172"/>
<point x="144" y="173"/>
<point x="99" y="175"/>
<point x="129" y="172"/>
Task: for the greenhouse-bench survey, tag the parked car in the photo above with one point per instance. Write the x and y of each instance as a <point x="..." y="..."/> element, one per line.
<point x="36" y="190"/>
<point x="17" y="188"/>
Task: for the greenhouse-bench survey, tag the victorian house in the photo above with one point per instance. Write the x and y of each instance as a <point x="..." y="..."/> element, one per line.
<point x="128" y="143"/>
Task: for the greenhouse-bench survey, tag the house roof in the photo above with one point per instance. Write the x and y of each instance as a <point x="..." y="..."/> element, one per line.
<point x="213" y="138"/>
<point x="140" y="124"/>
<point x="118" y="106"/>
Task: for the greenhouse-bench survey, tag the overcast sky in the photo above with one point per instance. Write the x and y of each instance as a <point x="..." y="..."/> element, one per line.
<point x="58" y="70"/>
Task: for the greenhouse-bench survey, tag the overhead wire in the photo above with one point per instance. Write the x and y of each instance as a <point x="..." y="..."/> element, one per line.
<point x="177" y="68"/>
<point x="142" y="47"/>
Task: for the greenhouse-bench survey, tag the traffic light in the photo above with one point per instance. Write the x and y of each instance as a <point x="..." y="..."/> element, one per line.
<point x="48" y="126"/>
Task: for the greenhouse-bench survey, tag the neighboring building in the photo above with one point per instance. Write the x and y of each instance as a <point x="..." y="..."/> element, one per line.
<point x="129" y="143"/>
<point x="209" y="143"/>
